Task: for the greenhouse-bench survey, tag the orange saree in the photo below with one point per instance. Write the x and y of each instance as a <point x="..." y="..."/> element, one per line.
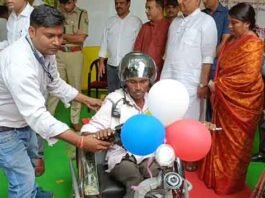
<point x="237" y="105"/>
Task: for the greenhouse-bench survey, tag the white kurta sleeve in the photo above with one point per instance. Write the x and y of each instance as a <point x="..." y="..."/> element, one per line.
<point x="101" y="120"/>
<point x="209" y="40"/>
<point x="104" y="43"/>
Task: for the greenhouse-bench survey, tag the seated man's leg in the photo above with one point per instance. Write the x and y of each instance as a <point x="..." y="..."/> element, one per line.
<point x="16" y="163"/>
<point x="128" y="174"/>
<point x="152" y="166"/>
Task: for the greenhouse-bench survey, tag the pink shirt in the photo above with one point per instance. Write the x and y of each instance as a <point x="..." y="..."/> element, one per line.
<point x="152" y="40"/>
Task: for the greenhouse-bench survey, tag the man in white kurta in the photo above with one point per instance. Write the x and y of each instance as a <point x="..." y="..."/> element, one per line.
<point x="190" y="52"/>
<point x="118" y="39"/>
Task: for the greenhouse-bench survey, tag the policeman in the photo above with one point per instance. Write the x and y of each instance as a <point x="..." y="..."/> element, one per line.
<point x="70" y="56"/>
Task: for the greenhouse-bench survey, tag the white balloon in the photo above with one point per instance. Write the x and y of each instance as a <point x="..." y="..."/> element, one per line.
<point x="165" y="155"/>
<point x="168" y="101"/>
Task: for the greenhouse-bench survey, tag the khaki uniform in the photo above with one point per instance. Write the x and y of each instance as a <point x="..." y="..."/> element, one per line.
<point x="70" y="59"/>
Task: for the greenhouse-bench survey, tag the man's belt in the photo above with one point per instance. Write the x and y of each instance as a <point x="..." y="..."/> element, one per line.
<point x="70" y="48"/>
<point x="3" y="128"/>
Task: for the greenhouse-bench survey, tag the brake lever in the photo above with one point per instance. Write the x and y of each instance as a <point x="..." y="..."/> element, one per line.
<point x="116" y="137"/>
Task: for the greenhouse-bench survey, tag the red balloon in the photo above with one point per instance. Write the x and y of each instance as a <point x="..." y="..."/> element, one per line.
<point x="190" y="139"/>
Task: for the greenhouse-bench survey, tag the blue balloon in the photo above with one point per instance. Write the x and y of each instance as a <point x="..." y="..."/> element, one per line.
<point x="142" y="134"/>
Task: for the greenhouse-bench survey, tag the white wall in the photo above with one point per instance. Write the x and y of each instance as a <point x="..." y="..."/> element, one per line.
<point x="100" y="10"/>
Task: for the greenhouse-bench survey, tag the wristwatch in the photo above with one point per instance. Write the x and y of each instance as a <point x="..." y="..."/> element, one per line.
<point x="201" y="85"/>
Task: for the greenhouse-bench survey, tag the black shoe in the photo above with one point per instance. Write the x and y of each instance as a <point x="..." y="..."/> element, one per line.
<point x="259" y="157"/>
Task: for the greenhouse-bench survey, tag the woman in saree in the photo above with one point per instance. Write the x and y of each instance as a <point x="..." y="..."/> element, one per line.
<point x="237" y="100"/>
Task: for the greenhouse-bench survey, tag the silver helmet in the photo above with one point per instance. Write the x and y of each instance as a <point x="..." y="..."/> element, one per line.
<point x="137" y="64"/>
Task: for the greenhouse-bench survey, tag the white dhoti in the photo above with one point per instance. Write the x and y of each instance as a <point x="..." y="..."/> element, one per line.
<point x="193" y="111"/>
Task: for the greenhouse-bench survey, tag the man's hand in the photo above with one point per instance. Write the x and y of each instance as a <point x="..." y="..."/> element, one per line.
<point x="92" y="103"/>
<point x="77" y="38"/>
<point x="211" y="126"/>
<point x="202" y="92"/>
<point x="92" y="144"/>
<point x="86" y="142"/>
<point x="104" y="134"/>
<point x="101" y="69"/>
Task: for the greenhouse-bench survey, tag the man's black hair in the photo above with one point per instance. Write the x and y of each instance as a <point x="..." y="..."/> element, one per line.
<point x="63" y="1"/>
<point x="128" y="1"/>
<point x="3" y="11"/>
<point x="172" y="2"/>
<point x="46" y="16"/>
<point x="159" y="3"/>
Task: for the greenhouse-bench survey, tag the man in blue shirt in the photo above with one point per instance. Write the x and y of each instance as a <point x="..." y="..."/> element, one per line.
<point x="220" y="16"/>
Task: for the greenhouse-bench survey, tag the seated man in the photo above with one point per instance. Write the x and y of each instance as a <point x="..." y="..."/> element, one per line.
<point x="137" y="72"/>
